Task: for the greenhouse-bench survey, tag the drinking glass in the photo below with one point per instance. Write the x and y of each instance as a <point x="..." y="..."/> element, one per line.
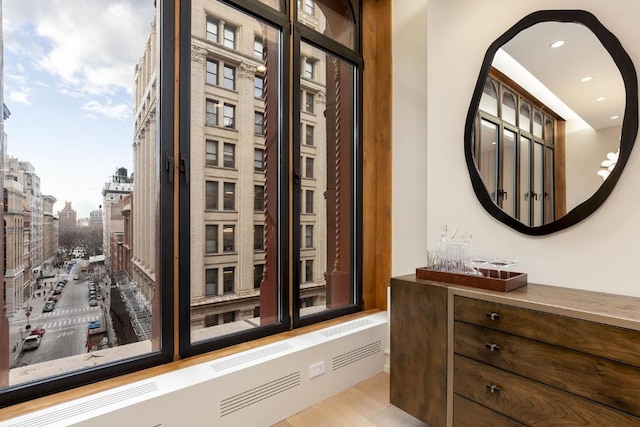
<point x="500" y="263"/>
<point x="477" y="262"/>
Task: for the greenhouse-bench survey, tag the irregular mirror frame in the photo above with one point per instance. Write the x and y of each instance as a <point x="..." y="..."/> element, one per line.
<point x="629" y="123"/>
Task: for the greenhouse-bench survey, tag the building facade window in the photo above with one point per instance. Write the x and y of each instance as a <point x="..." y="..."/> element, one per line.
<point x="212" y="113"/>
<point x="229" y="238"/>
<point x="229" y="196"/>
<point x="229" y="155"/>
<point x="258" y="48"/>
<point x="212" y="29"/>
<point x="211" y="282"/>
<point x="229" y="36"/>
<point x="308" y="68"/>
<point x="308" y="271"/>
<point x="228" y="281"/>
<point x="259" y="123"/>
<point x="310" y="102"/>
<point x="229" y="116"/>
<point x="258" y="87"/>
<point x="258" y="237"/>
<point x="211" y="239"/>
<point x="309" y="167"/>
<point x="258" y="198"/>
<point x="258" y="273"/>
<point x="308" y="236"/>
<point x="211" y="155"/>
<point x="258" y="162"/>
<point x="229" y="81"/>
<point x="212" y="72"/>
<point x="309" y="134"/>
<point x="211" y="196"/>
<point x="308" y="201"/>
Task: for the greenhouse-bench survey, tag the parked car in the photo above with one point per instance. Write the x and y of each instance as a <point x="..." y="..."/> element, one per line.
<point x="52" y="299"/>
<point x="31" y="342"/>
<point x="37" y="331"/>
<point x="93" y="302"/>
<point x="57" y="291"/>
<point x="48" y="307"/>
<point x="94" y="324"/>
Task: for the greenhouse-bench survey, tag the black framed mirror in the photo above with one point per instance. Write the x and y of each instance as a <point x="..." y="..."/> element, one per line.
<point x="550" y="129"/>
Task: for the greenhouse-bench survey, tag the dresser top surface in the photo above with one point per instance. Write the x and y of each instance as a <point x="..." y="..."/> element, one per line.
<point x="614" y="309"/>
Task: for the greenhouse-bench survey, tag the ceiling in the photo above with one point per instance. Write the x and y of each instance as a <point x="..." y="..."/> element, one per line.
<point x="561" y="69"/>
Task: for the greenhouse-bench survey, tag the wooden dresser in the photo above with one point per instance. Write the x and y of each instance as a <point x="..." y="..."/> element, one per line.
<point x="535" y="356"/>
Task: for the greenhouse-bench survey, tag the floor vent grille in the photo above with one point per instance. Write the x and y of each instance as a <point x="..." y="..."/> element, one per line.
<point x="250" y="357"/>
<point x="353" y="356"/>
<point x="257" y="394"/>
<point x="99" y="402"/>
<point x="346" y="327"/>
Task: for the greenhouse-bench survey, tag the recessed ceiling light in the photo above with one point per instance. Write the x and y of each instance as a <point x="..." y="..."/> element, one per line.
<point x="615" y="117"/>
<point x="557" y="43"/>
<point x="602" y="98"/>
<point x="586" y="79"/>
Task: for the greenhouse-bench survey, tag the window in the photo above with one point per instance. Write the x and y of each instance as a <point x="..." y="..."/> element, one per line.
<point x="212" y="113"/>
<point x="228" y="281"/>
<point x="258" y="273"/>
<point x="310" y="104"/>
<point x="308" y="271"/>
<point x="229" y="36"/>
<point x="229" y="116"/>
<point x="229" y="81"/>
<point x="211" y="239"/>
<point x="211" y="155"/>
<point x="309" y="201"/>
<point x="258" y="237"/>
<point x="259" y="123"/>
<point x="308" y="236"/>
<point x="211" y="196"/>
<point x="309" y="134"/>
<point x="309" y="167"/>
<point x="229" y="317"/>
<point x="258" y="198"/>
<point x="258" y="48"/>
<point x="212" y="29"/>
<point x="229" y="156"/>
<point x="229" y="238"/>
<point x="258" y="87"/>
<point x="258" y="163"/>
<point x="308" y="7"/>
<point x="308" y="69"/>
<point x="229" y="196"/>
<point x="211" y="282"/>
<point x="212" y="72"/>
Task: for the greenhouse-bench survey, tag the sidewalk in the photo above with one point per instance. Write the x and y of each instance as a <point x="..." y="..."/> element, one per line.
<point x="18" y="321"/>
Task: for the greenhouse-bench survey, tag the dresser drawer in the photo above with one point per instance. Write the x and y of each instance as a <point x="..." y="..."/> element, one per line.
<point x="528" y="401"/>
<point x="611" y="383"/>
<point x="469" y="414"/>
<point x="607" y="341"/>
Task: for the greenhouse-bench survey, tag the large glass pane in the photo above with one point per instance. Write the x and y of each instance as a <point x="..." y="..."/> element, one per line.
<point x="549" y="193"/>
<point x="509" y="107"/>
<point x="249" y="142"/>
<point x="333" y="18"/>
<point x="325" y="254"/>
<point x="489" y="99"/>
<point x="488" y="156"/>
<point x="524" y="195"/>
<point x="538" y="184"/>
<point x="508" y="172"/>
<point x="81" y="95"/>
<point x="525" y="117"/>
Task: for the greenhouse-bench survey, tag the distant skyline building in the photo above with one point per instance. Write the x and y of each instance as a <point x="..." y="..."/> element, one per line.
<point x="67" y="216"/>
<point x="113" y="192"/>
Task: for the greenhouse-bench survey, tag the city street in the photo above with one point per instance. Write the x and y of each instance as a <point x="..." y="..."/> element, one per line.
<point x="65" y="327"/>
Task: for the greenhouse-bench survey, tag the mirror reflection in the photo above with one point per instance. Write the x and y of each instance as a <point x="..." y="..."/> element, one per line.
<point x="550" y="114"/>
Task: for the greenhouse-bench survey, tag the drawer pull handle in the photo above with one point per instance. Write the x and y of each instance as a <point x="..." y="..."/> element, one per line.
<point x="493" y="347"/>
<point x="493" y="389"/>
<point x="493" y="316"/>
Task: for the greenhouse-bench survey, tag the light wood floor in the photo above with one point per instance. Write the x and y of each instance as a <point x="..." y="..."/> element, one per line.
<point x="364" y="405"/>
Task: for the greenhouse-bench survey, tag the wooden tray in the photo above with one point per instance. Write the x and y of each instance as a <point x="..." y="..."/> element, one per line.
<point x="507" y="281"/>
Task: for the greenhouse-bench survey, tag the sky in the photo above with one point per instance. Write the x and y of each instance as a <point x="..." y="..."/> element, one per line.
<point x="68" y="81"/>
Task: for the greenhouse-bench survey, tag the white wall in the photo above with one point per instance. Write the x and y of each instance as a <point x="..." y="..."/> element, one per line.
<point x="438" y="50"/>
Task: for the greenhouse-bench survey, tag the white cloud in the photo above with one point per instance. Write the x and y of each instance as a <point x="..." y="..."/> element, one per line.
<point x="118" y="112"/>
<point x="21" y="97"/>
<point x="90" y="44"/>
